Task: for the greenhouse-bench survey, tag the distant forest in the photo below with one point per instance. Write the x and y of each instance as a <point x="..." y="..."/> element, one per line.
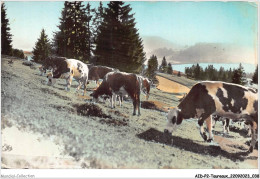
<point x="237" y="76"/>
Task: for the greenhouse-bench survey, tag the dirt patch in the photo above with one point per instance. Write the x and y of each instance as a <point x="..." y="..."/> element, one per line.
<point x="90" y="110"/>
<point x="114" y="122"/>
<point x="49" y="91"/>
<point x="154" y="105"/>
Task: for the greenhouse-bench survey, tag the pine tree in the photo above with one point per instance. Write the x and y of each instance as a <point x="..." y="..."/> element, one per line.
<point x="73" y="38"/>
<point x="152" y="68"/>
<point x="97" y="21"/>
<point x="118" y="43"/>
<point x="6" y="37"/>
<point x="239" y="75"/>
<point x="169" y="68"/>
<point x="42" y="48"/>
<point x="163" y="66"/>
<point x="255" y="76"/>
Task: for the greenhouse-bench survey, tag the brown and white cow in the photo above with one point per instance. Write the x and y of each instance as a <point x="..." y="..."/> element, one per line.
<point x="217" y="98"/>
<point x="68" y="69"/>
<point x="145" y="85"/>
<point x="144" y="88"/>
<point x="98" y="72"/>
<point x="114" y="82"/>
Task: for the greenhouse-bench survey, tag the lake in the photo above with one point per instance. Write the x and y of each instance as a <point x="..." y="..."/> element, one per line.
<point x="249" y="68"/>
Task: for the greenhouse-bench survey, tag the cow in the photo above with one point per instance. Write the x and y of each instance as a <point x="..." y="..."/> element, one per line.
<point x="225" y="122"/>
<point x="114" y="82"/>
<point x="98" y="72"/>
<point x="145" y="85"/>
<point x="68" y="69"/>
<point x="144" y="88"/>
<point x="216" y="98"/>
<point x="42" y="70"/>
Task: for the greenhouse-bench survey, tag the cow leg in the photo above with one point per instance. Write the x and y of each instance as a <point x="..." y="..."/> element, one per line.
<point x="253" y="135"/>
<point x="115" y="96"/>
<point x="249" y="130"/>
<point x="202" y="118"/>
<point x="68" y="80"/>
<point x="78" y="88"/>
<point x="134" y="104"/>
<point x="112" y="100"/>
<point x="85" y="83"/>
<point x="120" y="100"/>
<point x="209" y="127"/>
<point x="224" y="126"/>
<point x="138" y="105"/>
<point x="227" y="125"/>
<point x="213" y="123"/>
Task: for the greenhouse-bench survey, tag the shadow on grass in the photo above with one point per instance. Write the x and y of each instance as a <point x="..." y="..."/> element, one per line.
<point x="156" y="136"/>
<point x="241" y="132"/>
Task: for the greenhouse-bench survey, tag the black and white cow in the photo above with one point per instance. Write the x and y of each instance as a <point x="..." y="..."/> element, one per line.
<point x="217" y="98"/>
<point x="225" y="122"/>
<point x="114" y="82"/>
<point x="68" y="69"/>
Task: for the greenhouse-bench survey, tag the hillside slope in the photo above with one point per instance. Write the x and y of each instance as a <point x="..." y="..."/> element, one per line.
<point x="59" y="129"/>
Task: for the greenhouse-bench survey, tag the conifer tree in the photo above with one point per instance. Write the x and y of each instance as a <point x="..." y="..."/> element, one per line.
<point x="239" y="75"/>
<point x="163" y="66"/>
<point x="118" y="43"/>
<point x="42" y="48"/>
<point x="97" y="20"/>
<point x="6" y="37"/>
<point x="255" y="76"/>
<point x="152" y="68"/>
<point x="73" y="38"/>
<point x="169" y="68"/>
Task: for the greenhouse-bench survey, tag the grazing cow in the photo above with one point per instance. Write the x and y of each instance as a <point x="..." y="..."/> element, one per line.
<point x="68" y="69"/>
<point x="225" y="122"/>
<point x="217" y="98"/>
<point x="42" y="70"/>
<point x="114" y="82"/>
<point x="145" y="85"/>
<point x="98" y="72"/>
<point x="144" y="88"/>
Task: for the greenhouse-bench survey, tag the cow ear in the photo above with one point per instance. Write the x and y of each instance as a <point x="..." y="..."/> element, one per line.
<point x="179" y="118"/>
<point x="174" y="120"/>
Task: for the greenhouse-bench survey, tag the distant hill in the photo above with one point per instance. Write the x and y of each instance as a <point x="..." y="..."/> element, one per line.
<point x="197" y="53"/>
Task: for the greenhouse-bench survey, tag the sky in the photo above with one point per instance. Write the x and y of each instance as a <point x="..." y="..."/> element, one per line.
<point x="184" y="24"/>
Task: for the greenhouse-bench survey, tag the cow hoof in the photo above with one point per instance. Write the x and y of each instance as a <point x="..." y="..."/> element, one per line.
<point x="204" y="136"/>
<point x="134" y="114"/>
<point x="250" y="149"/>
<point x="210" y="140"/>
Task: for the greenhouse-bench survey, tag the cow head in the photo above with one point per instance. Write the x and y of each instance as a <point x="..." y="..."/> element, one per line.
<point x="146" y="87"/>
<point x="174" y="118"/>
<point x="94" y="96"/>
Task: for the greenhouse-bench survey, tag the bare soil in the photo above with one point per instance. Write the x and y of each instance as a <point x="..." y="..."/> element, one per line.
<point x="54" y="128"/>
